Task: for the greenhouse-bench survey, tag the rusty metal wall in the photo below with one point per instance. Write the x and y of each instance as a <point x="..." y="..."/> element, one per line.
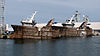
<point x="48" y="32"/>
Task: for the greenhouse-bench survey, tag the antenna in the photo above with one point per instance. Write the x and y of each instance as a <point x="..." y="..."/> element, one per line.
<point x="2" y="24"/>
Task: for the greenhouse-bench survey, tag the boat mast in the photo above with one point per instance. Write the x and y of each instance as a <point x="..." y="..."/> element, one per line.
<point x="77" y="16"/>
<point x="86" y="18"/>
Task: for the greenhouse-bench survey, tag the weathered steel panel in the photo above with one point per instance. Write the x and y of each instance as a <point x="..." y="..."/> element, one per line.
<point x="48" y="32"/>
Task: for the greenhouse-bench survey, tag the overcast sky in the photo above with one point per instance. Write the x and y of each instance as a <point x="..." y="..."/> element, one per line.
<point x="61" y="10"/>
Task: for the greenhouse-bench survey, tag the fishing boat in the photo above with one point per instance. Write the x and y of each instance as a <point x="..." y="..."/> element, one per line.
<point x="30" y="29"/>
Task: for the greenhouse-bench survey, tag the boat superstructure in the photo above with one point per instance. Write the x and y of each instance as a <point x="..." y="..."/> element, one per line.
<point x="69" y="23"/>
<point x="30" y="21"/>
<point x="75" y="19"/>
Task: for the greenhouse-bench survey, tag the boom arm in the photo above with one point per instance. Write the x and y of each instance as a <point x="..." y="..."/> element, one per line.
<point x="71" y="19"/>
<point x="33" y="15"/>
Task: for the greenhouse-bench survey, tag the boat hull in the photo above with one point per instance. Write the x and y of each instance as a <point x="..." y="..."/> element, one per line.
<point x="24" y="32"/>
<point x="48" y="32"/>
